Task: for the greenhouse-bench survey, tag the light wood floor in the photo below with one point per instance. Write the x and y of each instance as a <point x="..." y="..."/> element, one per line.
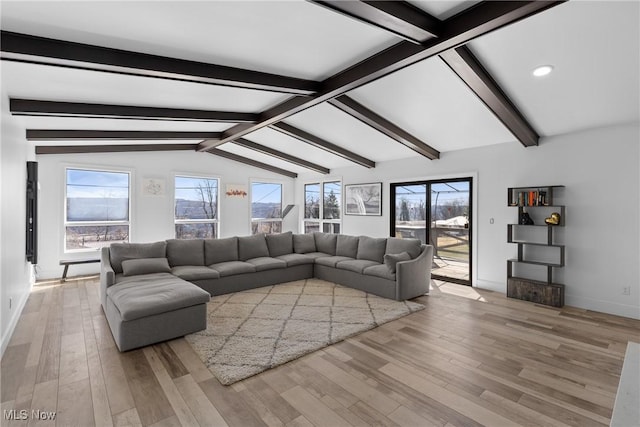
<point x="470" y="358"/>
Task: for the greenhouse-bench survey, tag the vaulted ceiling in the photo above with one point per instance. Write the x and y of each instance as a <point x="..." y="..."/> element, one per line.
<point x="293" y="86"/>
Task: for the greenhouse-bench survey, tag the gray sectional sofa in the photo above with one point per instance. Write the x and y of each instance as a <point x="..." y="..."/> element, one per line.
<point x="152" y="292"/>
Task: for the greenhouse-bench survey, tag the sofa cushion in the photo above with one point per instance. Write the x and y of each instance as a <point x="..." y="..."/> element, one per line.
<point x="390" y="260"/>
<point x="396" y="245"/>
<point x="229" y="268"/>
<point x="252" y="247"/>
<point x="380" y="270"/>
<point x="356" y="265"/>
<point x="325" y="242"/>
<point x="133" y="267"/>
<point x="347" y="245"/>
<point x="280" y="244"/>
<point x="295" y="259"/>
<point x="267" y="263"/>
<point x="304" y="243"/>
<point x="154" y="294"/>
<point x="194" y="272"/>
<point x="371" y="248"/>
<point x="331" y="261"/>
<point x="220" y="250"/>
<point x="316" y="255"/>
<point x="185" y="252"/>
<point x="119" y="252"/>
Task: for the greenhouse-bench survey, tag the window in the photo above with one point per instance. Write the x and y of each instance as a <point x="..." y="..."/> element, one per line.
<point x="266" y="208"/>
<point x="97" y="209"/>
<point x="196" y="207"/>
<point x="325" y="216"/>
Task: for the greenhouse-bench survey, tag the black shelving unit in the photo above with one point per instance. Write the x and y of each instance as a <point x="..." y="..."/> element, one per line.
<point x="543" y="292"/>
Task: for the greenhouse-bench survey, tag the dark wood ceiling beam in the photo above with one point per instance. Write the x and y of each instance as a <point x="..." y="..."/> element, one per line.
<point x="398" y="17"/>
<point x="379" y="123"/>
<point x="68" y="135"/>
<point x="32" y="107"/>
<point x="457" y="30"/>
<point x="79" y="149"/>
<point x="280" y="155"/>
<point x="46" y="51"/>
<point x="462" y="61"/>
<point x="251" y="162"/>
<point x="318" y="142"/>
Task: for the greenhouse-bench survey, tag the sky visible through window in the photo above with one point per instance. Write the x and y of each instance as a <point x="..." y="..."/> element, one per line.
<point x="447" y="192"/>
<point x="264" y="192"/>
<point x="189" y="188"/>
<point x="97" y="184"/>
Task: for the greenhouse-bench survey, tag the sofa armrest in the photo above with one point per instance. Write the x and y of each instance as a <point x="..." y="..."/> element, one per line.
<point x="107" y="275"/>
<point x="413" y="277"/>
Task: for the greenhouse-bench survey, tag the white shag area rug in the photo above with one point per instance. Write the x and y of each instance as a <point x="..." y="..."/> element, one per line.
<point x="251" y="331"/>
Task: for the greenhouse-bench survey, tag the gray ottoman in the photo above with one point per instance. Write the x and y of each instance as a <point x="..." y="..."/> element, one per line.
<point x="146" y="309"/>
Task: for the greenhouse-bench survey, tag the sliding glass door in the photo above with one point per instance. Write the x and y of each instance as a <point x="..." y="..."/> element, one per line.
<point x="438" y="212"/>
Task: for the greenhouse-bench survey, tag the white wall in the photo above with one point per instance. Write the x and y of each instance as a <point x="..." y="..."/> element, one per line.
<point x="600" y="171"/>
<point x="15" y="271"/>
<point x="151" y="216"/>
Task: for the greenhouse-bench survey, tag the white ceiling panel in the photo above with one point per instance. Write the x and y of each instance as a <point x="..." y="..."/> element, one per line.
<point x="341" y="129"/>
<point x="443" y="9"/>
<point x="594" y="47"/>
<point x="294" y="38"/>
<point x="253" y="155"/>
<point x="281" y="142"/>
<point x="429" y="101"/>
<point x="43" y="82"/>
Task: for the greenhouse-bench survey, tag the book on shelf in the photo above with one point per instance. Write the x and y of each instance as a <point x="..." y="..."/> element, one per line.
<point x="531" y="198"/>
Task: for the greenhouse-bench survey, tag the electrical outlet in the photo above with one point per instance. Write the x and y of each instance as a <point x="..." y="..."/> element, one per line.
<point x="626" y="290"/>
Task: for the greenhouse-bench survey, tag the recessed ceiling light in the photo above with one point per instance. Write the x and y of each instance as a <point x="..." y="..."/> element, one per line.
<point x="542" y="70"/>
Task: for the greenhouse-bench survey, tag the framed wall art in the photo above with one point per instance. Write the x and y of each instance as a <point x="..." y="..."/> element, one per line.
<point x="363" y="199"/>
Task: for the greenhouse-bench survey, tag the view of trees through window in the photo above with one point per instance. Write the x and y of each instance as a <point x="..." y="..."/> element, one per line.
<point x="329" y="219"/>
<point x="266" y="207"/>
<point x="196" y="207"/>
<point x="97" y="208"/>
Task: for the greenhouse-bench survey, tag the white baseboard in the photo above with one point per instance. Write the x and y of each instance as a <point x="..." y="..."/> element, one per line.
<point x="14" y="320"/>
<point x="491" y="286"/>
<point x="617" y="309"/>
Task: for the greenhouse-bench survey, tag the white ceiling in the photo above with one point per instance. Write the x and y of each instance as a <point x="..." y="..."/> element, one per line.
<point x="421" y="97"/>
<point x="292" y="38"/>
<point x="594" y="47"/>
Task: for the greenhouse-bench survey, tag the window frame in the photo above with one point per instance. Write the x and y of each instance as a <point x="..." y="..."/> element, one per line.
<point x="321" y="221"/>
<point x="66" y="223"/>
<point x="215" y="220"/>
<point x="265" y="181"/>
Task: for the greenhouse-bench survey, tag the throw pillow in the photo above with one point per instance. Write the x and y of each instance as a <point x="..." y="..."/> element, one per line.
<point x="119" y="252"/>
<point x="347" y="246"/>
<point x="250" y="247"/>
<point x="280" y="244"/>
<point x="396" y="245"/>
<point x="390" y="260"/>
<point x="304" y="243"/>
<point x="371" y="248"/>
<point x="185" y="252"/>
<point x="220" y="250"/>
<point x="325" y="242"/>
<point x="133" y="267"/>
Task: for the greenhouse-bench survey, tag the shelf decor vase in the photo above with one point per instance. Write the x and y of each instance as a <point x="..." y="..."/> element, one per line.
<point x="554" y="219"/>
<point x="525" y="219"/>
